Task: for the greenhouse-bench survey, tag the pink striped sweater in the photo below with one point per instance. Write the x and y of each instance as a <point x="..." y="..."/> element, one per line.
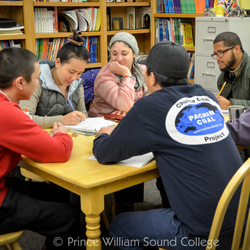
<point x="111" y="94"/>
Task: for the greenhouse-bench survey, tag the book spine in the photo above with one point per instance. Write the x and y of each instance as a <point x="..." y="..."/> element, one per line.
<point x="55" y="21"/>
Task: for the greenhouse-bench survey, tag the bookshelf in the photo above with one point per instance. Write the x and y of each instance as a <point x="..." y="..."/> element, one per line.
<point x="23" y="12"/>
<point x="155" y="15"/>
<point x="13" y="10"/>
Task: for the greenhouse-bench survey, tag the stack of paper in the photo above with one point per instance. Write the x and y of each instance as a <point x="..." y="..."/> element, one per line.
<point x="92" y="124"/>
<point x="17" y="30"/>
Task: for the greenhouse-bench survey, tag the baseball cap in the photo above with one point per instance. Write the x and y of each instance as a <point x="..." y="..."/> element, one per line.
<point x="168" y="59"/>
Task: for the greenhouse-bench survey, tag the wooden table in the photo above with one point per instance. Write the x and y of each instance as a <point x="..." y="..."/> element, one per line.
<point x="91" y="181"/>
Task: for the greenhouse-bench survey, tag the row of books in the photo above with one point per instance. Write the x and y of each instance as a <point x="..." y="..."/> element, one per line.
<point x="57" y="1"/>
<point x="84" y="19"/>
<point x="49" y="20"/>
<point x="48" y="48"/>
<point x="174" y="29"/>
<point x="46" y="20"/>
<point x="182" y="6"/>
<point x="9" y="43"/>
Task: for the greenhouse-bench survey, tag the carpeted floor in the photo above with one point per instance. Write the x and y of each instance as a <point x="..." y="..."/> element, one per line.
<point x="34" y="241"/>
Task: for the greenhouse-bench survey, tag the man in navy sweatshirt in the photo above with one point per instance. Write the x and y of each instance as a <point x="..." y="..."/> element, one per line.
<point x="196" y="156"/>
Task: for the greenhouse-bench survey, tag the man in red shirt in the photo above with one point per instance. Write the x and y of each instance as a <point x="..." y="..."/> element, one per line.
<point x="40" y="207"/>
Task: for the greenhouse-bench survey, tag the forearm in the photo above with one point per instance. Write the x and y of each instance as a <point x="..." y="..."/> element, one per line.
<point x="240" y="129"/>
<point x="46" y="121"/>
<point x="242" y="102"/>
<point x="27" y="138"/>
<point x="81" y="106"/>
<point x="117" y="146"/>
<point x="118" y="95"/>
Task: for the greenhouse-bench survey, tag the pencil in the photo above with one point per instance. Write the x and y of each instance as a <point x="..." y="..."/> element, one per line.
<point x="222" y="88"/>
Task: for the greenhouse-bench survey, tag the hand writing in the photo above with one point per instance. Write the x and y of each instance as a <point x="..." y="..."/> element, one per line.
<point x="73" y="118"/>
<point x="224" y="103"/>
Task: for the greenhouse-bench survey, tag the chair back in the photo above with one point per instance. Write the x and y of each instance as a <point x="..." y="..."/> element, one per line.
<point x="241" y="176"/>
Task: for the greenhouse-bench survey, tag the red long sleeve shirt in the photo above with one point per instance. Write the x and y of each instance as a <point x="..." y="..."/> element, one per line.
<point x="20" y="135"/>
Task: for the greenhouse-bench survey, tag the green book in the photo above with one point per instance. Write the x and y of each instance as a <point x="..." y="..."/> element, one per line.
<point x="40" y="51"/>
<point x="183" y="6"/>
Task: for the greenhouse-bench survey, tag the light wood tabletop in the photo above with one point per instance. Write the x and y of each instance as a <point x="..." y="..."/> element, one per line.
<point x="91" y="180"/>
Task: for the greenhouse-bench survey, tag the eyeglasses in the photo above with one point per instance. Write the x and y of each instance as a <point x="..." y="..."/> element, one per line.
<point x="220" y="53"/>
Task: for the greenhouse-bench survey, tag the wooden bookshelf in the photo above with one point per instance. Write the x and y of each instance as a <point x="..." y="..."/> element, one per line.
<point x="155" y="15"/>
<point x="23" y="12"/>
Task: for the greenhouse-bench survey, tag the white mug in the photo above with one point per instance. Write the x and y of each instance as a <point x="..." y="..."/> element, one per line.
<point x="235" y="111"/>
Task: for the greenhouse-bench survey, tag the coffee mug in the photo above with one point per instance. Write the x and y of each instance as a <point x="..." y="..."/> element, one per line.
<point x="235" y="111"/>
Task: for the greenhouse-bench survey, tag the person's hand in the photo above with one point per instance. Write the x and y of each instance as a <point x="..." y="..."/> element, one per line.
<point x="224" y="103"/>
<point x="106" y="130"/>
<point x="119" y="112"/>
<point x="58" y="127"/>
<point x="119" y="69"/>
<point x="73" y="118"/>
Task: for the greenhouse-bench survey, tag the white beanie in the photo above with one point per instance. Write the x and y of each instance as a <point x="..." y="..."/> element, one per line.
<point x="127" y="38"/>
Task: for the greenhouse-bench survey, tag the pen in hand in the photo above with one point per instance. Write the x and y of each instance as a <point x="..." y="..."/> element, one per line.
<point x="222" y="88"/>
<point x="71" y="105"/>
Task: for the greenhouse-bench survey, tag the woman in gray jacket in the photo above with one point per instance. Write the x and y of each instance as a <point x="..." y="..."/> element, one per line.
<point x="60" y="97"/>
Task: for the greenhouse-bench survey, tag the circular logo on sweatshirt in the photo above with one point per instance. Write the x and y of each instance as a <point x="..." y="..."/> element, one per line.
<point x="196" y="120"/>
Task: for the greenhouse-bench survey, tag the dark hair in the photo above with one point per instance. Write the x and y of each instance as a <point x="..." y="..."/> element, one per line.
<point x="229" y="39"/>
<point x="73" y="49"/>
<point x="165" y="81"/>
<point x="16" y="62"/>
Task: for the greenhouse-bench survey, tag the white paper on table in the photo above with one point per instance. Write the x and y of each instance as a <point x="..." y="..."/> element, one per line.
<point x="91" y="124"/>
<point x="135" y="161"/>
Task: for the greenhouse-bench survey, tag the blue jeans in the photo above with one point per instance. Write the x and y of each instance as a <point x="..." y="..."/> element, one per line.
<point x="156" y="228"/>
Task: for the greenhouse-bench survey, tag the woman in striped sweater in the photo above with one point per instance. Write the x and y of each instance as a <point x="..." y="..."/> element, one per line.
<point x="121" y="82"/>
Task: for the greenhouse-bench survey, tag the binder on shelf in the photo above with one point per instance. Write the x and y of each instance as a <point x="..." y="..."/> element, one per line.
<point x="7" y="23"/>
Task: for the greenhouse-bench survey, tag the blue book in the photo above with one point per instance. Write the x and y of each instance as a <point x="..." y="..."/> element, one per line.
<point x="166" y="6"/>
<point x="92" y="50"/>
<point x="207" y="3"/>
<point x="158" y="6"/>
<point x="161" y="38"/>
<point x="170" y="6"/>
<point x="169" y="31"/>
<point x="166" y="29"/>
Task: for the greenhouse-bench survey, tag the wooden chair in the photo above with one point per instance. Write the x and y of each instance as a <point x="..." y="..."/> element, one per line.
<point x="241" y="176"/>
<point x="9" y="241"/>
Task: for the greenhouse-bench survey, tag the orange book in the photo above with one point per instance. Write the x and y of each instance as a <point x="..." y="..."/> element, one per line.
<point x="172" y="29"/>
<point x="199" y="5"/>
<point x="45" y="48"/>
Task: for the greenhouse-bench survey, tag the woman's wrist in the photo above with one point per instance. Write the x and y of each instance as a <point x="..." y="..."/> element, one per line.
<point x="127" y="75"/>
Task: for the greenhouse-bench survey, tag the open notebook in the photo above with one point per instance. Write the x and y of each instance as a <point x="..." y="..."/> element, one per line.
<point x="91" y="125"/>
<point x="135" y="161"/>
